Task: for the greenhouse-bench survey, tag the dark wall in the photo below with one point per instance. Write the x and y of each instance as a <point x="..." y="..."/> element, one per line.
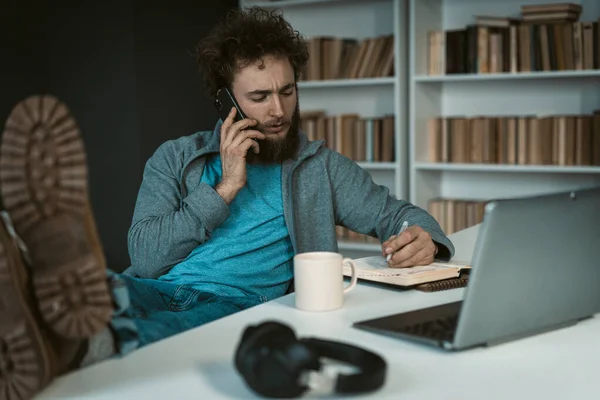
<point x="125" y="70"/>
<point x="20" y="72"/>
<point x="89" y="56"/>
<point x="169" y="97"/>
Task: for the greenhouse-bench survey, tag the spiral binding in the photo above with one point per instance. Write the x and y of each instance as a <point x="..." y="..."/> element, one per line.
<point x="447" y="284"/>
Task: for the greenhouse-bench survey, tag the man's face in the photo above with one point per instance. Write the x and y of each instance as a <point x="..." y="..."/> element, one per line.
<point x="266" y="92"/>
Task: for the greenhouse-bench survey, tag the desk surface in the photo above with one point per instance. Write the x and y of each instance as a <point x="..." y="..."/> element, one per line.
<point x="199" y="363"/>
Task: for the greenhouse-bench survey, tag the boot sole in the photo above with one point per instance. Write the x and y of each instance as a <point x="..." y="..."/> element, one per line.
<point x="43" y="182"/>
<point x="25" y="366"/>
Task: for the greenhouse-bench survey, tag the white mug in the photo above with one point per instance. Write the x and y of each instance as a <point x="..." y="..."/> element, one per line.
<point x="319" y="280"/>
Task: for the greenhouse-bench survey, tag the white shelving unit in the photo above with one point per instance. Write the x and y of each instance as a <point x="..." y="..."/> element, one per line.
<point x="364" y="82"/>
<point x="367" y="97"/>
<point x="554" y="75"/>
<point x="499" y="94"/>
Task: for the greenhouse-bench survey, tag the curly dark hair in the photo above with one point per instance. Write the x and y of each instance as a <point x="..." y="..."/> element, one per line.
<point x="243" y="37"/>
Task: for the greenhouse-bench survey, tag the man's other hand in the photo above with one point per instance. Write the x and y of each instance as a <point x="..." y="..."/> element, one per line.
<point x="412" y="247"/>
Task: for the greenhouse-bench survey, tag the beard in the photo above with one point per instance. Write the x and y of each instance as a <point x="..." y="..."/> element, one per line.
<point x="279" y="149"/>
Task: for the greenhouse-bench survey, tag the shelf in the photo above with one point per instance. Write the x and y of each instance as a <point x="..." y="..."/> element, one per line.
<point x="488" y="95"/>
<point x="508" y="76"/>
<point x="377" y="165"/>
<point x="359" y="246"/>
<point x="290" y="3"/>
<point x="347" y="83"/>
<point x="375" y="95"/>
<point x="548" y="169"/>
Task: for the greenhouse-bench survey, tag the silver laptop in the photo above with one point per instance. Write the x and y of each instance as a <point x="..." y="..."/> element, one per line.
<point x="536" y="267"/>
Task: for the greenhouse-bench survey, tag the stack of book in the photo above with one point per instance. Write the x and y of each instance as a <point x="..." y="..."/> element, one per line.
<point x="454" y="215"/>
<point x="522" y="140"/>
<point x="348" y="235"/>
<point x="543" y="38"/>
<point x="358" y="138"/>
<point x="349" y="58"/>
<point x="550" y="13"/>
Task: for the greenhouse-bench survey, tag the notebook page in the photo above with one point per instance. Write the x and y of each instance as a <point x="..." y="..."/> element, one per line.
<point x="377" y="266"/>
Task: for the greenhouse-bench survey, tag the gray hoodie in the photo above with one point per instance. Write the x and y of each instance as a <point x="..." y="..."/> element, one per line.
<point x="321" y="188"/>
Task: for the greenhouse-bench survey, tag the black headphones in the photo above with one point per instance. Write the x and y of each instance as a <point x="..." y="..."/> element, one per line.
<point x="274" y="363"/>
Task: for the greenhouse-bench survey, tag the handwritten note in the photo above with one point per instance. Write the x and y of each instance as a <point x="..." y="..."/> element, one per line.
<point x="377" y="266"/>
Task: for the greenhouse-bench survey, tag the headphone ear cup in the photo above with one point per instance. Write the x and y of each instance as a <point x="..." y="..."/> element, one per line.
<point x="253" y="339"/>
<point x="271" y="359"/>
<point x="266" y="331"/>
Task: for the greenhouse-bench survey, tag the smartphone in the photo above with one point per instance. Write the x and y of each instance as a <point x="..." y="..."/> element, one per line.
<point x="223" y="103"/>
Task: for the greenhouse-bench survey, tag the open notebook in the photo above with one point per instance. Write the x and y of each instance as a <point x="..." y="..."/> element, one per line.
<point x="376" y="269"/>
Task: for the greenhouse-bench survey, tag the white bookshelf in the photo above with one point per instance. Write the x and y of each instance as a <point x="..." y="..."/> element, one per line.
<point x="368" y="97"/>
<point x="332" y="83"/>
<point x="554" y="75"/>
<point x="499" y="94"/>
<point x="544" y="169"/>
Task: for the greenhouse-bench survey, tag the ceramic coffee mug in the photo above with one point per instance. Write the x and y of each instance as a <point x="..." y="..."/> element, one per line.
<point x="319" y="280"/>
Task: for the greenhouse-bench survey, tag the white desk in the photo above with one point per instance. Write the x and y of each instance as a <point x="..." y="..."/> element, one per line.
<point x="198" y="364"/>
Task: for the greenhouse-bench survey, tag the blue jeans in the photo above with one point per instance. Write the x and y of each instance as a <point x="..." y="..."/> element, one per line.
<point x="149" y="310"/>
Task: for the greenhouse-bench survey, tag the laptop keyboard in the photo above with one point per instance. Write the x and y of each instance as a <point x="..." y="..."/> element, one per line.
<point x="437" y="323"/>
<point x="440" y="329"/>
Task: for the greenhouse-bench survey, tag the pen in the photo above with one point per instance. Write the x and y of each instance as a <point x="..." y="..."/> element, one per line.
<point x="402" y="229"/>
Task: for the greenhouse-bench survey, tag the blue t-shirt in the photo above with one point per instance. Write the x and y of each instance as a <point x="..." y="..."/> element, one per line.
<point x="250" y="253"/>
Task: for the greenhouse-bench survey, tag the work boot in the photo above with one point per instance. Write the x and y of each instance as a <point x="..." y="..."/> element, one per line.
<point x="44" y="189"/>
<point x="30" y="355"/>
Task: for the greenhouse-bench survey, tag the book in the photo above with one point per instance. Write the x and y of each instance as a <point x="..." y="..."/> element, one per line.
<point x="548" y="139"/>
<point x="375" y="269"/>
<point x="543" y="38"/>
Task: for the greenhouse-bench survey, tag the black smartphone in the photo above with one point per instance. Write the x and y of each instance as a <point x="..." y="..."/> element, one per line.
<point x="223" y="103"/>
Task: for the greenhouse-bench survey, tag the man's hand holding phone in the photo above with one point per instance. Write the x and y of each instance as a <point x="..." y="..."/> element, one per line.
<point x="236" y="141"/>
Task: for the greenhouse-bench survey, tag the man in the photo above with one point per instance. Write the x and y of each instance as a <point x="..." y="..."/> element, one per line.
<point x="218" y="219"/>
